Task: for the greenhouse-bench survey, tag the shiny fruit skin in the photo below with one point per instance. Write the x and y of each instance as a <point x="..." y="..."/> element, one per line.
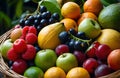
<point x="90" y="65"/>
<point x="90" y="52"/>
<point x="19" y="66"/>
<point x="102" y="70"/>
<point x="103" y="52"/>
<point x="114" y="59"/>
<point x="70" y="10"/>
<point x="20" y="45"/>
<point x="15" y="34"/>
<point x="62" y="48"/>
<point x="109" y="17"/>
<point x="73" y="73"/>
<point x="55" y="72"/>
<point x="33" y="72"/>
<point x="69" y="23"/>
<point x="48" y="36"/>
<point x="45" y="59"/>
<point x="81" y="57"/>
<point x="66" y="61"/>
<point x="109" y="37"/>
<point x="5" y="47"/>
<point x="94" y="6"/>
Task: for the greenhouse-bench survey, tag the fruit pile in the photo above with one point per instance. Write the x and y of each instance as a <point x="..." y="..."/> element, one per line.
<point x="66" y="42"/>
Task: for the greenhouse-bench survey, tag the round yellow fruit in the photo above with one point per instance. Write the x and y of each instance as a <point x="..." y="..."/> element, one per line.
<point x="70" y="10"/>
<point x="110" y="37"/>
<point x="55" y="72"/>
<point x="78" y="72"/>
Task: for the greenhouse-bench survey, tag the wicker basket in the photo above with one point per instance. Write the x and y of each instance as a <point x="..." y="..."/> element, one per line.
<point x="8" y="73"/>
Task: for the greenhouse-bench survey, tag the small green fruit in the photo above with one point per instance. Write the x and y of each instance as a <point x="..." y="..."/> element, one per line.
<point x="5" y="47"/>
<point x="90" y="27"/>
<point x="34" y="72"/>
<point x="45" y="59"/>
<point x="66" y="61"/>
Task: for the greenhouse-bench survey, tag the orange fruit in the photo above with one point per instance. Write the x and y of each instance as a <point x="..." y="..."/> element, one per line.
<point x="69" y="23"/>
<point x="86" y="15"/>
<point x="94" y="6"/>
<point x="55" y="72"/>
<point x="114" y="59"/>
<point x="70" y="10"/>
<point x="78" y="72"/>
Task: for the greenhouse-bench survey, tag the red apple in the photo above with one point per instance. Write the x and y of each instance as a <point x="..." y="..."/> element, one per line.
<point x="20" y="46"/>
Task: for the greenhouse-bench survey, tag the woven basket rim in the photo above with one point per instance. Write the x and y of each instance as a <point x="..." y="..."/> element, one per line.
<point x="8" y="73"/>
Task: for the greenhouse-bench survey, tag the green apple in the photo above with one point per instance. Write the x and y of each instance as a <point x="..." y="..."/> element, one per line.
<point x="34" y="72"/>
<point x="91" y="27"/>
<point x="45" y="59"/>
<point x="66" y="61"/>
<point x="5" y="47"/>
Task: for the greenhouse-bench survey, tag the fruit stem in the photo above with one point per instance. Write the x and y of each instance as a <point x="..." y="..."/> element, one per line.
<point x="79" y="39"/>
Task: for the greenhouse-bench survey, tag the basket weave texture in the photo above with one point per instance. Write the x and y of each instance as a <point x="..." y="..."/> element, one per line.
<point x="8" y="73"/>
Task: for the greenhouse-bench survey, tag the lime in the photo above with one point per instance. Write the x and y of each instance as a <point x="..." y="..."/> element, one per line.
<point x="109" y="17"/>
<point x="34" y="72"/>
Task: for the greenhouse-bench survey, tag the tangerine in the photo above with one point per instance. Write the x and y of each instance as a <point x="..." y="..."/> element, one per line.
<point x="69" y="23"/>
<point x="55" y="72"/>
<point x="94" y="6"/>
<point x="86" y="15"/>
<point x="114" y="59"/>
<point x="70" y="10"/>
<point x="78" y="72"/>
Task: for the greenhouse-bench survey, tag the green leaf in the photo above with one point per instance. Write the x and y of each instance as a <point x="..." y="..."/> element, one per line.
<point x="4" y="19"/>
<point x="19" y="7"/>
<point x="54" y="2"/>
<point x="52" y="6"/>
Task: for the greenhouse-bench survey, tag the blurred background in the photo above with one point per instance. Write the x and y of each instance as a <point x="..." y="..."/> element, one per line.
<point x="12" y="10"/>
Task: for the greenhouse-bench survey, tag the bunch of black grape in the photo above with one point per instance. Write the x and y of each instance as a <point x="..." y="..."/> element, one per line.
<point x="41" y="19"/>
<point x="75" y="40"/>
